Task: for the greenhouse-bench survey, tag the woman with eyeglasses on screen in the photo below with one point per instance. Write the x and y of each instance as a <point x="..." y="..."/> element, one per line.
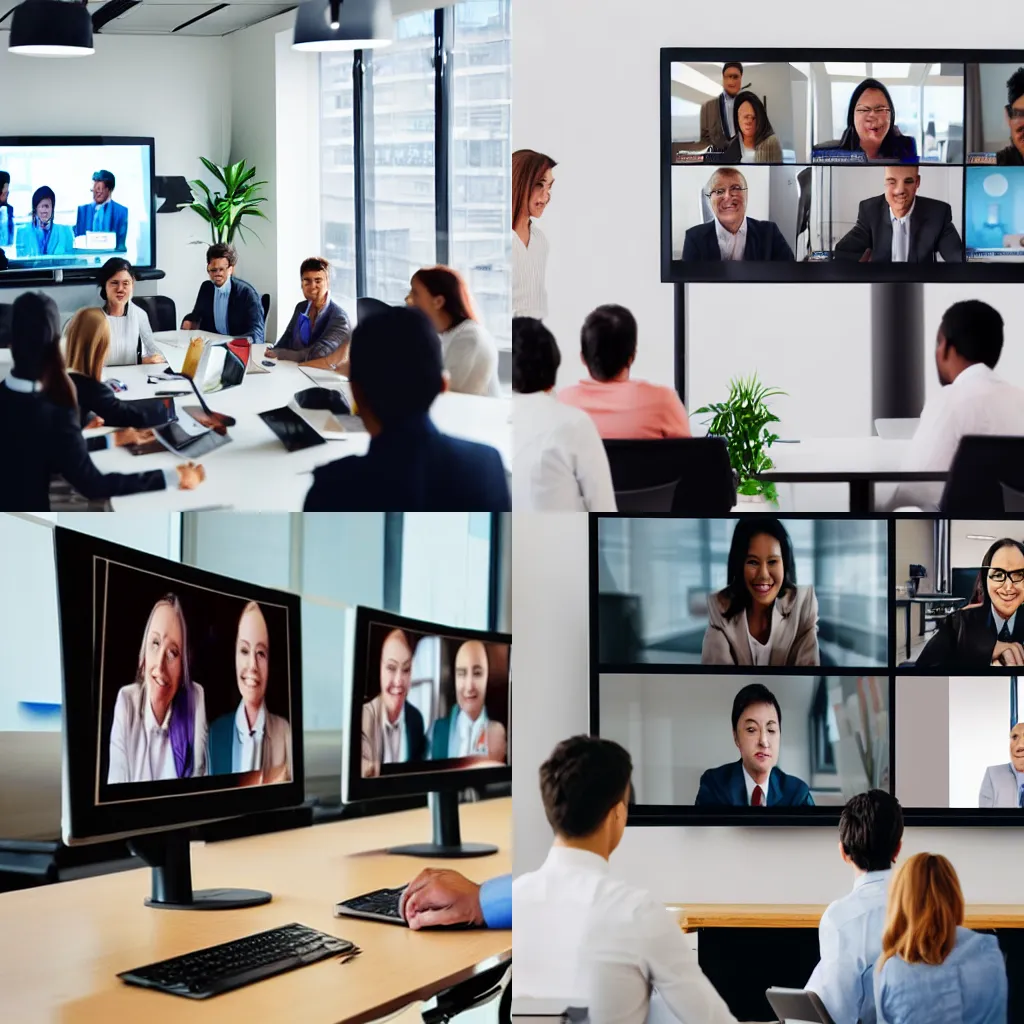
<point x="755" y="141"/>
<point x="871" y="127"/>
<point x="988" y="633"/>
<point x="761" y="617"/>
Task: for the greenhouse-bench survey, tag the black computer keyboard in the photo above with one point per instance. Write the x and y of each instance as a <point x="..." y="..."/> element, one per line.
<point x="208" y="972"/>
<point x="379" y="905"/>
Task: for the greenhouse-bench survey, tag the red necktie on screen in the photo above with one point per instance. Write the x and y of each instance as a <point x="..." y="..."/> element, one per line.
<point x="757" y="797"/>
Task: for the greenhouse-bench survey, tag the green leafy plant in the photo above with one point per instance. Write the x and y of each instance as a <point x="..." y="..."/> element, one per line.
<point x="224" y="211"/>
<point x="743" y="420"/>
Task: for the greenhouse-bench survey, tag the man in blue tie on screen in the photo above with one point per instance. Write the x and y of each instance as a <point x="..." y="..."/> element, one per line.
<point x="1003" y="785"/>
<point x="226" y="304"/>
<point x="103" y="214"/>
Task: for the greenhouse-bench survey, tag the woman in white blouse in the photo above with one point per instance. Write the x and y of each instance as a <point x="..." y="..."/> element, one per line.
<point x="159" y="729"/>
<point x="129" y="324"/>
<point x="470" y="353"/>
<point x="532" y="179"/>
<point x="558" y="459"/>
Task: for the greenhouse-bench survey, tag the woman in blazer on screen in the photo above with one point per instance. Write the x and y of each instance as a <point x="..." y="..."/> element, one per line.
<point x="990" y="633"/>
<point x="761" y="617"/>
<point x="159" y="729"/>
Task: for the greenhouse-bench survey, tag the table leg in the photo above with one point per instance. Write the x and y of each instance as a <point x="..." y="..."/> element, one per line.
<point x="908" y="631"/>
<point x="862" y="497"/>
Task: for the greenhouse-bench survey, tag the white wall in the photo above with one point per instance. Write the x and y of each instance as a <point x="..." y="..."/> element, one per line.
<point x="550" y="618"/>
<point x="979" y="733"/>
<point x="967" y="553"/>
<point x="922" y="741"/>
<point x="993" y="101"/>
<point x="915" y="545"/>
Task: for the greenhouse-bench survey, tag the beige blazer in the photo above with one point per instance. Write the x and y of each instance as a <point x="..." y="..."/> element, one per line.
<point x="794" y="636"/>
<point x="277" y="747"/>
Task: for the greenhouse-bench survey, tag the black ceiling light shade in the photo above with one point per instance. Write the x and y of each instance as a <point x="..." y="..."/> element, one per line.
<point x="343" y="25"/>
<point x="51" y="28"/>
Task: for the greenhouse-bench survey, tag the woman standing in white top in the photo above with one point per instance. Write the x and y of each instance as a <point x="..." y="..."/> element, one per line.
<point x="470" y="353"/>
<point x="532" y="179"/>
<point x="129" y="324"/>
<point x="558" y="459"/>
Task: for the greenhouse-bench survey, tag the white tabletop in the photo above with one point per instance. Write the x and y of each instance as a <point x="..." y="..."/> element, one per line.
<point x="839" y="458"/>
<point x="255" y="471"/>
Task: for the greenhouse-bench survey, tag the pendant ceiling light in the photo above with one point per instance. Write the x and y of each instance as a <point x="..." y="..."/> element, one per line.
<point x="343" y="25"/>
<point x="51" y="28"/>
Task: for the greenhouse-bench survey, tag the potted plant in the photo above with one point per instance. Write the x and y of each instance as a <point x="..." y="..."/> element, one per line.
<point x="224" y="211"/>
<point x="743" y="420"/>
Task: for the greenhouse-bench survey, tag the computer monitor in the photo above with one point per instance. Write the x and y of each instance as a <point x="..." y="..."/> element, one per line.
<point x="182" y="702"/>
<point x="963" y="583"/>
<point x="429" y="712"/>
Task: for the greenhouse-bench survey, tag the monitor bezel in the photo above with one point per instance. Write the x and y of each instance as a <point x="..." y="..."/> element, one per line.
<point x="355" y="787"/>
<point x="680" y="272"/>
<point x="83" y="819"/>
<point x="88" y="273"/>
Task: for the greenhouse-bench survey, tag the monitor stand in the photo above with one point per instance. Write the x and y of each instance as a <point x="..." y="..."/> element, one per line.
<point x="167" y="853"/>
<point x="444" y="809"/>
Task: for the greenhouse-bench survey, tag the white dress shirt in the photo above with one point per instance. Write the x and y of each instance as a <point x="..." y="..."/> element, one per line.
<point x="999" y="621"/>
<point x="529" y="267"/>
<point x="731" y="246"/>
<point x="247" y="748"/>
<point x="901" y="235"/>
<point x="558" y="460"/>
<point x="468" y="738"/>
<point x="977" y="402"/>
<point x="471" y="359"/>
<point x="749" y="783"/>
<point x="747" y="156"/>
<point x="159" y="756"/>
<point x="125" y="332"/>
<point x="594" y="941"/>
<point x="396" y="740"/>
<point x="850" y="938"/>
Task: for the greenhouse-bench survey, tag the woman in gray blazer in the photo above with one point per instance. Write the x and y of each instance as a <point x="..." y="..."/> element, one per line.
<point x="761" y="617"/>
<point x="1003" y="784"/>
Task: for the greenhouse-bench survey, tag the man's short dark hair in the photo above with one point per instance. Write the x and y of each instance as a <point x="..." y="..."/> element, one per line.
<point x="975" y="330"/>
<point x="5" y="178"/>
<point x="582" y="780"/>
<point x="220" y="251"/>
<point x="608" y="341"/>
<point x="754" y="693"/>
<point x="871" y="828"/>
<point x="1015" y="87"/>
<point x="314" y="265"/>
<point x="732" y="64"/>
<point x="395" y="358"/>
<point x="535" y="356"/>
<point x="107" y="178"/>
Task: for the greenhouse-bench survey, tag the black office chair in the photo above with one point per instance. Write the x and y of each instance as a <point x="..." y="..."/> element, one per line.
<point x="684" y="476"/>
<point x="366" y="307"/>
<point x="162" y="313"/>
<point x="265" y="303"/>
<point x="981" y="468"/>
<point x="5" y="324"/>
<point x="803" y="209"/>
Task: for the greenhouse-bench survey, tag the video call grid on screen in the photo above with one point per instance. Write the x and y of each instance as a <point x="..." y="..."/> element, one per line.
<point x="125" y="598"/>
<point x="950" y="112"/>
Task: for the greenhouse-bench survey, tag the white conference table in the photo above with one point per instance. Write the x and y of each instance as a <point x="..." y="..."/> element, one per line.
<point x="255" y="471"/>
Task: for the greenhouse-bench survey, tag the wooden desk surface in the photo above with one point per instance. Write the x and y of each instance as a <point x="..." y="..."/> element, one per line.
<point x="62" y="945"/>
<point x="808" y="915"/>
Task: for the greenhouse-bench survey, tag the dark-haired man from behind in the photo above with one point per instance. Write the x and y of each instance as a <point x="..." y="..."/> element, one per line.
<point x="619" y="406"/>
<point x="850" y="933"/>
<point x="582" y="935"/>
<point x="396" y="370"/>
<point x="1013" y="154"/>
<point x="973" y="399"/>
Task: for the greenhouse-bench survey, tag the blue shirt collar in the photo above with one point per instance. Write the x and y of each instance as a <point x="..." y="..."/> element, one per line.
<point x="998" y="620"/>
<point x="871" y="877"/>
<point x="223" y="289"/>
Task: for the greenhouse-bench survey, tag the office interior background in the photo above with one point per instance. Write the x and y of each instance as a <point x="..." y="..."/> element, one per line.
<point x="449" y="568"/>
<point x="436" y="162"/>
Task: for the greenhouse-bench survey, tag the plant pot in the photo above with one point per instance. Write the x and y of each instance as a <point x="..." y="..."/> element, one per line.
<point x="752" y="503"/>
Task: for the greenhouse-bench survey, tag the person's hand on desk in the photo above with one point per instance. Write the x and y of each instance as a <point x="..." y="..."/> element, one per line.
<point x="95" y="423"/>
<point x="131" y="435"/>
<point x="1008" y="654"/>
<point x="155" y="358"/>
<point x="441" y="898"/>
<point x="270" y="352"/>
<point x="190" y="476"/>
<point x="189" y="325"/>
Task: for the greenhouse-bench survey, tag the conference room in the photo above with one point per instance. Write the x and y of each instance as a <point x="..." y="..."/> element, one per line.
<point x="380" y="162"/>
<point x="256" y="634"/>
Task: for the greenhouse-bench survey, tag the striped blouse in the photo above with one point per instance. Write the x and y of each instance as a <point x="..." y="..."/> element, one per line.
<point x="529" y="265"/>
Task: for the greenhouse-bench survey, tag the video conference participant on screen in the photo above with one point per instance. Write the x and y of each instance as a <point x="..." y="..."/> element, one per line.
<point x="159" y="729"/>
<point x="468" y="731"/>
<point x="6" y="210"/>
<point x="990" y="633"/>
<point x="252" y="739"/>
<point x="761" y="617"/>
<point x="732" y="235"/>
<point x="42" y="237"/>
<point x="1013" y="154"/>
<point x="718" y="115"/>
<point x="871" y="130"/>
<point x="1003" y="784"/>
<point x="901" y="226"/>
<point x="755" y="141"/>
<point x="393" y="730"/>
<point x="103" y="214"/>
<point x="850" y="932"/>
<point x="226" y="304"/>
<point x="754" y="780"/>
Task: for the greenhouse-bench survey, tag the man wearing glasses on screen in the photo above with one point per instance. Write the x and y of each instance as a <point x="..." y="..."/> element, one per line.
<point x="1014" y="153"/>
<point x="732" y="235"/>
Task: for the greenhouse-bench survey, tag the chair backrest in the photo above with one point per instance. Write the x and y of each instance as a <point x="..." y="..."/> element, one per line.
<point x="265" y="303"/>
<point x="5" y="324"/>
<point x="697" y="468"/>
<point x="793" y="1004"/>
<point x="657" y="499"/>
<point x="981" y="468"/>
<point x="160" y="309"/>
<point x="366" y="307"/>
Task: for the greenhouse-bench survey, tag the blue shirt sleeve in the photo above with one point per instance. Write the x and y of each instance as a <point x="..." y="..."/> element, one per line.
<point x="496" y="902"/>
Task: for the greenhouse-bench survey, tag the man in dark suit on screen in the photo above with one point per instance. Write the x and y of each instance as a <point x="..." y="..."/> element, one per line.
<point x="902" y="226"/>
<point x="103" y="214"/>
<point x="732" y="235"/>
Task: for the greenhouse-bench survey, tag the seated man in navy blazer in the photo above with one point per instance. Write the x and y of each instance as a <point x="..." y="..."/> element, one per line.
<point x="396" y="370"/>
<point x="226" y="304"/>
<point x="732" y="235"/>
<point x="319" y="330"/>
<point x="902" y="226"/>
<point x="103" y="214"/>
<point x="753" y="780"/>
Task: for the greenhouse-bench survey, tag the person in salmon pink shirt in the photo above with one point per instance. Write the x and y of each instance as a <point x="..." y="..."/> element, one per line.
<point x="620" y="406"/>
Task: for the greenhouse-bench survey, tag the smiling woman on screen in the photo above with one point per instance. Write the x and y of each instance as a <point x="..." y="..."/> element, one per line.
<point x="532" y="179"/>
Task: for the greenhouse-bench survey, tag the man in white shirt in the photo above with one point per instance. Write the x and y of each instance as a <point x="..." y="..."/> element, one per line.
<point x="850" y="933"/>
<point x="585" y="937"/>
<point x="973" y="398"/>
